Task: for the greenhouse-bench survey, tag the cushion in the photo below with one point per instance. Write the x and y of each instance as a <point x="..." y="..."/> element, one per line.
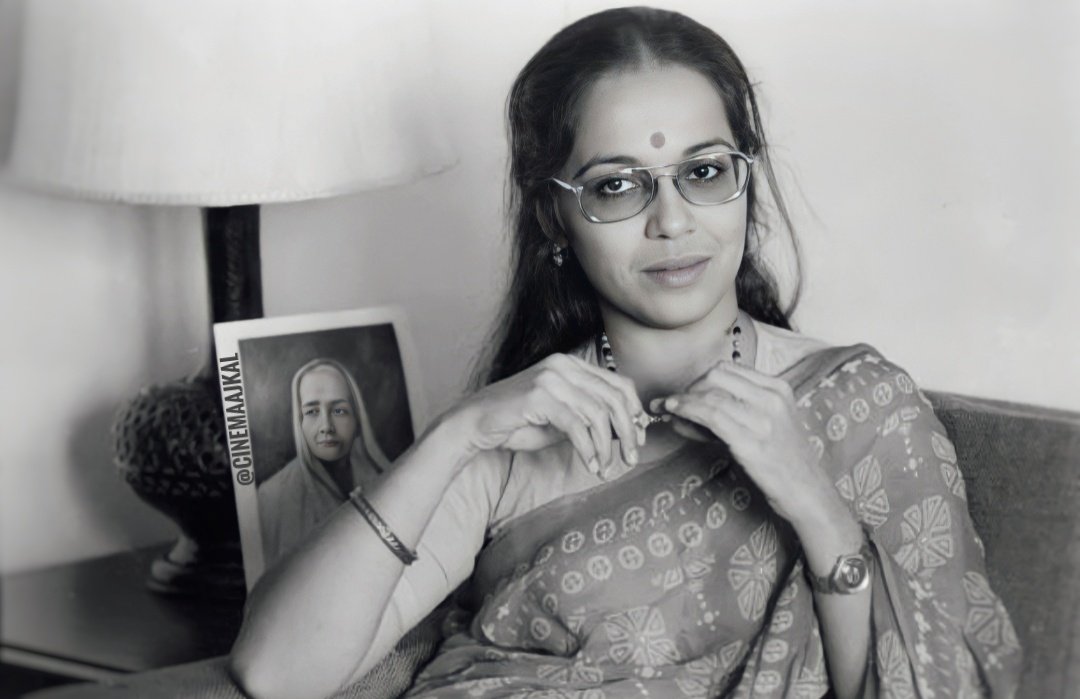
<point x="208" y="679"/>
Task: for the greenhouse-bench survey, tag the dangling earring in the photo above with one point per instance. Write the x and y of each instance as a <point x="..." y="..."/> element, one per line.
<point x="557" y="254"/>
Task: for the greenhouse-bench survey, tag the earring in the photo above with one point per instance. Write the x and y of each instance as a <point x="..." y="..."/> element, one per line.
<point x="557" y="254"/>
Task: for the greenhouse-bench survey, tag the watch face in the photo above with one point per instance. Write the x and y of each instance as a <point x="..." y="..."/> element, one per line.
<point x="852" y="574"/>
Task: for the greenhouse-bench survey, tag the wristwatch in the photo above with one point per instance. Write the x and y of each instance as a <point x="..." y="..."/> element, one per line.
<point x="851" y="574"/>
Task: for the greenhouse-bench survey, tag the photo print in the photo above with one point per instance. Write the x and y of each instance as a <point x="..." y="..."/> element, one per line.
<point x="316" y="405"/>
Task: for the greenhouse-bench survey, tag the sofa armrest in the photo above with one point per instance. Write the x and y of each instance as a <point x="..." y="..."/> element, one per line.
<point x="1021" y="465"/>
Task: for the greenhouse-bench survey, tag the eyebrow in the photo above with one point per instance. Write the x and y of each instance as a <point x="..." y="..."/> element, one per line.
<point x="317" y="402"/>
<point x="634" y="162"/>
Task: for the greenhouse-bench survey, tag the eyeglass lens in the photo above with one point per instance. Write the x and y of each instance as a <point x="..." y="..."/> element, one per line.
<point x="708" y="180"/>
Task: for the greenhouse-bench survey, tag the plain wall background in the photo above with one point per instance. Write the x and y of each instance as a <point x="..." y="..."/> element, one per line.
<point x="931" y="153"/>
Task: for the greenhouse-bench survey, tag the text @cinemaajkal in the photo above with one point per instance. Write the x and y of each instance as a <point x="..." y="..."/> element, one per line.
<point x="236" y="422"/>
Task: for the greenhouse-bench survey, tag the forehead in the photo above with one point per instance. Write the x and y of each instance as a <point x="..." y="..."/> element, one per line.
<point x="621" y="113"/>
<point x="322" y="384"/>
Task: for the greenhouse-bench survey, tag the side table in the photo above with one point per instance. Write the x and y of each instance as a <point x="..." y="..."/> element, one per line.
<point x="95" y="619"/>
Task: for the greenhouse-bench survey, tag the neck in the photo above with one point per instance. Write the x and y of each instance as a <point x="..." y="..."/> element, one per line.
<point x="662" y="361"/>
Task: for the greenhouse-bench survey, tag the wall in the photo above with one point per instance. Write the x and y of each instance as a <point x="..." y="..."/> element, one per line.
<point x="930" y="151"/>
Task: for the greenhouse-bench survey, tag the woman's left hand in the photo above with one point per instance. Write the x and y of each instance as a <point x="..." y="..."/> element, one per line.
<point x="755" y="415"/>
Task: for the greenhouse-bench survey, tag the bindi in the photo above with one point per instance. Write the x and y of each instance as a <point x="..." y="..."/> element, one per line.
<point x="657" y="140"/>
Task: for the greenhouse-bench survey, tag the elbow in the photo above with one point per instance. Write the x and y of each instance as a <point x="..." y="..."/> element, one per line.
<point x="255" y="665"/>
<point x="258" y="676"/>
<point x="248" y="678"/>
<point x="256" y="680"/>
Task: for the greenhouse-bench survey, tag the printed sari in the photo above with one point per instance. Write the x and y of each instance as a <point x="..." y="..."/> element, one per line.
<point x="677" y="580"/>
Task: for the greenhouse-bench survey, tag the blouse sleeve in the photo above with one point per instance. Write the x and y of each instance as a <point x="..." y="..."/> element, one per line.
<point x="447" y="550"/>
<point x="938" y="628"/>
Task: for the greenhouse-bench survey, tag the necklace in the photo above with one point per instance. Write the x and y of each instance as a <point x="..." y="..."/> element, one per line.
<point x="734" y="331"/>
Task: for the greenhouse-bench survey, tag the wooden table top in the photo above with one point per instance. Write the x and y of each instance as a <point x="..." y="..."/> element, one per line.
<point x="99" y="613"/>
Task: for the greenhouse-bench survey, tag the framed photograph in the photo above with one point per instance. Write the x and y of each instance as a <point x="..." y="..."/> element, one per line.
<point x="315" y="406"/>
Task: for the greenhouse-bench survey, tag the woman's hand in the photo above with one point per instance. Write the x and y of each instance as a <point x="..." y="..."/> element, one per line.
<point x="560" y="397"/>
<point x="755" y="415"/>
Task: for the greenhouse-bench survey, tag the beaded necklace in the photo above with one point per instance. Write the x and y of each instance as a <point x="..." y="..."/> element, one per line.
<point x="604" y="351"/>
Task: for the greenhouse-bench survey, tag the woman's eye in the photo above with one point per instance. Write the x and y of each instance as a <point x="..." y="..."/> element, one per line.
<point x="311" y="412"/>
<point x="614" y="185"/>
<point x="704" y="172"/>
<point x="341" y="411"/>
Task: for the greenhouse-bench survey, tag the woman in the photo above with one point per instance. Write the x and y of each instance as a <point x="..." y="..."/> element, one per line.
<point x="336" y="451"/>
<point x="662" y="491"/>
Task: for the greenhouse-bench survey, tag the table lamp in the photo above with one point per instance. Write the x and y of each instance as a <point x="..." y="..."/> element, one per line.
<point x="225" y="106"/>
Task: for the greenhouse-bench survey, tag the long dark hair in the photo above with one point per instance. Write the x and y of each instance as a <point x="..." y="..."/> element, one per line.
<point x="554" y="309"/>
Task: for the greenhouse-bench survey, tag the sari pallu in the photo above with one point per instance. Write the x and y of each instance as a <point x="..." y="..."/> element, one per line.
<point x="677" y="580"/>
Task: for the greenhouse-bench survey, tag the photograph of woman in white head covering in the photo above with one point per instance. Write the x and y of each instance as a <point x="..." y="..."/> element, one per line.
<point x="329" y="400"/>
<point x="336" y="451"/>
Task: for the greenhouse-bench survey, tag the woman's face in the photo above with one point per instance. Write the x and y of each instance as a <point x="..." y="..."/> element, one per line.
<point x="328" y="420"/>
<point x="655" y="116"/>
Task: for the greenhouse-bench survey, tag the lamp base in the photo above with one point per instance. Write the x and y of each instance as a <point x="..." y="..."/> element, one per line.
<point x="193" y="570"/>
<point x="170" y="447"/>
<point x="169" y="440"/>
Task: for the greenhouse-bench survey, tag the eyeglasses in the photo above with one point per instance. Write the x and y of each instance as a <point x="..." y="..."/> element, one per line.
<point x="705" y="180"/>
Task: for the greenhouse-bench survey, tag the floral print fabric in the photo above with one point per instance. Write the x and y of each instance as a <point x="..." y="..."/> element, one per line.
<point x="679" y="581"/>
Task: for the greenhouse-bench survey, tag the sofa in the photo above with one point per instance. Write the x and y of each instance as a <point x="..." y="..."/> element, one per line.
<point x="1022" y="468"/>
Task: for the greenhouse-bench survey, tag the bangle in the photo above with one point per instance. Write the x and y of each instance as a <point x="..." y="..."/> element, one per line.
<point x="388" y="537"/>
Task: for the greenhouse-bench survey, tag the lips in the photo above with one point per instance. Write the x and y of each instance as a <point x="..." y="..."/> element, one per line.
<point x="676" y="263"/>
<point x="677" y="272"/>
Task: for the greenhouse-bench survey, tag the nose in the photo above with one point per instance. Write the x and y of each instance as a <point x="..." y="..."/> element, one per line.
<point x="326" y="426"/>
<point x="670" y="215"/>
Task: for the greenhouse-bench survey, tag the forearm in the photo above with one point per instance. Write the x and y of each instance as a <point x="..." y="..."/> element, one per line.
<point x="311" y="620"/>
<point x="844" y="620"/>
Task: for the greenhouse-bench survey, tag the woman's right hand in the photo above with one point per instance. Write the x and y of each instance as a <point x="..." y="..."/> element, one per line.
<point x="560" y="397"/>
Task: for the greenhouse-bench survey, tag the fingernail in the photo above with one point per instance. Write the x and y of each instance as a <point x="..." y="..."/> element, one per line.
<point x="632" y="457"/>
<point x="594" y="466"/>
<point x="671" y="403"/>
<point x="656" y="405"/>
<point x="641" y="436"/>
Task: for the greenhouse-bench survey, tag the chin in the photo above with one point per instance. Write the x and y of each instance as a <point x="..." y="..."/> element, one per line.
<point x="670" y="320"/>
<point x="678" y="311"/>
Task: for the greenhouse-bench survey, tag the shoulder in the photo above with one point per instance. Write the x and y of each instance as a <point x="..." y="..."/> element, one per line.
<point x="806" y="359"/>
<point x="862" y="365"/>
<point x="855" y="396"/>
<point x="779" y="349"/>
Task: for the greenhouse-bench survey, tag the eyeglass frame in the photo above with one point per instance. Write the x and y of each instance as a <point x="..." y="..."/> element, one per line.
<point x="578" y="189"/>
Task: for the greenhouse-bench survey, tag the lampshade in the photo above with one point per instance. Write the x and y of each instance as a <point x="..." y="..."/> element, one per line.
<point x="224" y="102"/>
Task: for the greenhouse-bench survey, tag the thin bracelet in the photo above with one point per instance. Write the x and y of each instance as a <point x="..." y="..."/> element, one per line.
<point x="407" y="555"/>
